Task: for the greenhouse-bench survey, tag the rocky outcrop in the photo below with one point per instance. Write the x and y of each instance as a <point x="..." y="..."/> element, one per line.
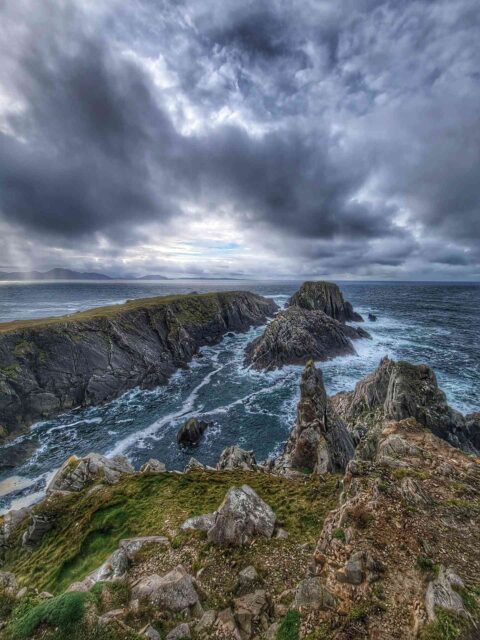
<point x="383" y="550"/>
<point x="399" y="390"/>
<point x="320" y="441"/>
<point x="326" y="297"/>
<point x="296" y="335"/>
<point x="242" y="516"/>
<point x="118" y="563"/>
<point x="235" y="457"/>
<point x="76" y="473"/>
<point x="51" y="365"/>
<point x="175" y="591"/>
<point x="153" y="466"/>
<point x="190" y="433"/>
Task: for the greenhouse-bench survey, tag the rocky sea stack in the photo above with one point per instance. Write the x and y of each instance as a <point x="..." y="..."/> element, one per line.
<point x="312" y="327"/>
<point x="326" y="297"/>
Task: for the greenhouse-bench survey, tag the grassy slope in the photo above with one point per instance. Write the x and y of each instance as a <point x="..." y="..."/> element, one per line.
<point x="188" y="306"/>
<point x="89" y="527"/>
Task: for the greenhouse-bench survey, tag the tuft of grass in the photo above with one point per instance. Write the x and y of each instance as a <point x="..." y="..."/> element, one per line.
<point x="446" y="626"/>
<point x="61" y="613"/>
<point x="427" y="565"/>
<point x="339" y="534"/>
<point x="289" y="627"/>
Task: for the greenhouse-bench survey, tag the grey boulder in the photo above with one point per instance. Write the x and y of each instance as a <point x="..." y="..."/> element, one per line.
<point x="175" y="591"/>
<point x="76" y="473"/>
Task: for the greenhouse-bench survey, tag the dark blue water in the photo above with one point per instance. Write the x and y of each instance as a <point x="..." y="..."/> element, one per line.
<point x="421" y="322"/>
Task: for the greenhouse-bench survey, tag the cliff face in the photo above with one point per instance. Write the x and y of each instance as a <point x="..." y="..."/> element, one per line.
<point x="51" y="365"/>
<point x="326" y="297"/>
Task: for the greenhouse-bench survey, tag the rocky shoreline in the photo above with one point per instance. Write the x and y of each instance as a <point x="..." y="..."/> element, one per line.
<point x="49" y="366"/>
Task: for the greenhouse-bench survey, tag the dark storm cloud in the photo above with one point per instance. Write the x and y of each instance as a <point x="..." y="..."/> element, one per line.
<point x="350" y="129"/>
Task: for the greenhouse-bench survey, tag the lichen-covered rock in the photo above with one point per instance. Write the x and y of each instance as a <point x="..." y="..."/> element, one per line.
<point x="251" y="612"/>
<point x="226" y="627"/>
<point x="326" y="297"/>
<point x="39" y="525"/>
<point x="76" y="473"/>
<point x="118" y="563"/>
<point x="319" y="441"/>
<point x="190" y="433"/>
<point x="241" y="516"/>
<point x="200" y="523"/>
<point x="235" y="457"/>
<point x="311" y="593"/>
<point x="206" y="622"/>
<point x="195" y="465"/>
<point x="179" y="633"/>
<point x="153" y="466"/>
<point x="248" y="578"/>
<point x="8" y="582"/>
<point x="296" y="335"/>
<point x="441" y="593"/>
<point x="150" y="633"/>
<point x="11" y="521"/>
<point x="175" y="591"/>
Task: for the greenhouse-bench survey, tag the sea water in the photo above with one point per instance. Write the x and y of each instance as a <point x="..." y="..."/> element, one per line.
<point x="434" y="323"/>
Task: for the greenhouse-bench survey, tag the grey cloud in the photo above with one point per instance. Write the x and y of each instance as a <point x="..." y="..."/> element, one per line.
<point x="355" y="138"/>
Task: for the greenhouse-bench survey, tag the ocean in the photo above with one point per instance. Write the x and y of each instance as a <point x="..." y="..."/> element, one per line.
<point x="432" y="323"/>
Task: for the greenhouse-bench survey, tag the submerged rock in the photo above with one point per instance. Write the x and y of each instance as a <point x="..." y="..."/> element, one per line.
<point x="191" y="432"/>
<point x="372" y="317"/>
<point x="326" y="297"/>
<point x="76" y="473"/>
<point x="319" y="441"/>
<point x="296" y="335"/>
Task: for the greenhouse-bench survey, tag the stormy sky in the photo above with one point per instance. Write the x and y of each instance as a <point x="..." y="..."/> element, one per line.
<point x="280" y="138"/>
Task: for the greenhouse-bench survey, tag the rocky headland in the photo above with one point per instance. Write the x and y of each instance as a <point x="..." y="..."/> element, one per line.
<point x="51" y="365"/>
<point x="312" y="326"/>
<point x="366" y="527"/>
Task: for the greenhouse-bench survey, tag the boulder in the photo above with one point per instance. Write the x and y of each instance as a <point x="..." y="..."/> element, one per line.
<point x="8" y="582"/>
<point x="200" y="523"/>
<point x="296" y="335"/>
<point x="353" y="571"/>
<point x="372" y="317"/>
<point x="226" y="626"/>
<point x="39" y="525"/>
<point x="179" y="633"/>
<point x="118" y="563"/>
<point x="326" y="297"/>
<point x="149" y="632"/>
<point x="312" y="594"/>
<point x="241" y="516"/>
<point x="11" y="521"/>
<point x="251" y="611"/>
<point x="206" y="622"/>
<point x="190" y="434"/>
<point x="248" y="578"/>
<point x="175" y="591"/>
<point x="76" y="473"/>
<point x="235" y="457"/>
<point x="440" y="593"/>
<point x="194" y="465"/>
<point x="319" y="441"/>
<point x="153" y="466"/>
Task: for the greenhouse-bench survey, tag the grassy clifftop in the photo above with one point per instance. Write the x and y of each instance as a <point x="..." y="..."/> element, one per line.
<point x="190" y="307"/>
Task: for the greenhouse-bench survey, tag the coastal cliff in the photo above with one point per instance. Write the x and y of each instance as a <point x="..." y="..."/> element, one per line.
<point x="54" y="364"/>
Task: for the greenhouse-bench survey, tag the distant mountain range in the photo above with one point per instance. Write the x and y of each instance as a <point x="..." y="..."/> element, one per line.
<point x="69" y="274"/>
<point x="53" y="274"/>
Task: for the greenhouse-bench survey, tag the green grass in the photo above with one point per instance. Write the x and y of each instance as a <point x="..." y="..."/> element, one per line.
<point x="289" y="627"/>
<point x="189" y="308"/>
<point x="445" y="627"/>
<point x="339" y="534"/>
<point x="62" y="613"/>
<point x="89" y="527"/>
